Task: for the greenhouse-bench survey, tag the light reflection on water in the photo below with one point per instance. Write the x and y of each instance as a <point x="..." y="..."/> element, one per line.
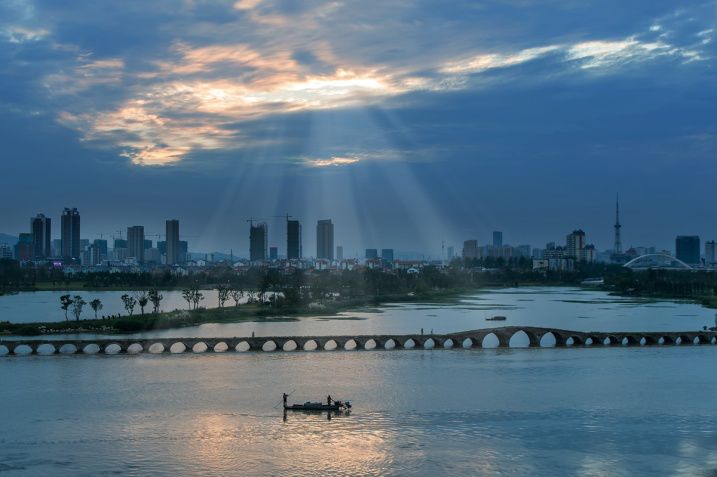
<point x="512" y="412"/>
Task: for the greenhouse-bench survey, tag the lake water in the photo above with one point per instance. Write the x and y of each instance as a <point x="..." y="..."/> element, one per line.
<point x="567" y="308"/>
<point x="540" y="412"/>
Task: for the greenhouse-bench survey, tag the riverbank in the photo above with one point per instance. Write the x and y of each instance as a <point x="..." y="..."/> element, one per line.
<point x="227" y="314"/>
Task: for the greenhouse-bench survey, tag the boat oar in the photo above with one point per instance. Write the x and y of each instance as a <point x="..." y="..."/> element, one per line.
<point x="281" y="401"/>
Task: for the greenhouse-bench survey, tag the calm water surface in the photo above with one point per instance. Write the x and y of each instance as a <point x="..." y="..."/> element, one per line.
<point x="611" y="412"/>
<point x="567" y="308"/>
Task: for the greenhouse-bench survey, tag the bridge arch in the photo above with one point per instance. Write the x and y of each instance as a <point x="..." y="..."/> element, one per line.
<point x="657" y="261"/>
<point x="68" y="348"/>
<point x="177" y="348"/>
<point x="389" y="344"/>
<point x="269" y="346"/>
<point x="311" y="345"/>
<point x="549" y="340"/>
<point x="430" y="343"/>
<point x="409" y="344"/>
<point x="331" y="345"/>
<point x="522" y="339"/>
<point x="156" y="348"/>
<point x="351" y="345"/>
<point x="370" y="344"/>
<point x="290" y="345"/>
<point x="91" y="348"/>
<point x="135" y="348"/>
<point x="113" y="348"/>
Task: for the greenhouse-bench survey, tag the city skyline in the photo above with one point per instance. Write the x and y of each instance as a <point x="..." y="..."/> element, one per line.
<point x="530" y="130"/>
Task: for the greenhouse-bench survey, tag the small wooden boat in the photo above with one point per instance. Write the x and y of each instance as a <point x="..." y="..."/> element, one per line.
<point x="496" y="318"/>
<point x="319" y="406"/>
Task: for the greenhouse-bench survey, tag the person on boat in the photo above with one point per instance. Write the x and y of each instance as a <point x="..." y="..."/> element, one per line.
<point x="286" y="396"/>
<point x="328" y="399"/>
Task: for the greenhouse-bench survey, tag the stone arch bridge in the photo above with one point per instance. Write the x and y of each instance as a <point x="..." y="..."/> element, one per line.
<point x="462" y="340"/>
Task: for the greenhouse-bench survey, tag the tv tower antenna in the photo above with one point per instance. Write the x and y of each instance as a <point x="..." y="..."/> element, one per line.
<point x="617" y="247"/>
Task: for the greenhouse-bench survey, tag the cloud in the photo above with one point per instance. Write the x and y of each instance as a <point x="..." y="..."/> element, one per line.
<point x="333" y="161"/>
<point x="19" y="34"/>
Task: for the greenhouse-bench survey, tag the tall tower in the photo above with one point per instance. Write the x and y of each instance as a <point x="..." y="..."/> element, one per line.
<point x="172" y="244"/>
<point x="325" y="239"/>
<point x="70" y="234"/>
<point x="617" y="248"/>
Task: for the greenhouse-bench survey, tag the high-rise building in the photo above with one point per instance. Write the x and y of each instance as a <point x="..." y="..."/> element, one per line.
<point x="575" y="244"/>
<point x="5" y="251"/>
<point x="162" y="247"/>
<point x="147" y="244"/>
<point x="99" y="251"/>
<point x="135" y="243"/>
<point x="325" y="240"/>
<point x="23" y="247"/>
<point x="56" y="247"/>
<point x="339" y="252"/>
<point x="687" y="248"/>
<point x="293" y="239"/>
<point x="183" y="251"/>
<point x="497" y="239"/>
<point x="258" y="242"/>
<point x="387" y="255"/>
<point x="470" y="249"/>
<point x="41" y="230"/>
<point x="70" y="234"/>
<point x="450" y="252"/>
<point x="711" y="253"/>
<point x="371" y="253"/>
<point x="273" y="253"/>
<point x="172" y="243"/>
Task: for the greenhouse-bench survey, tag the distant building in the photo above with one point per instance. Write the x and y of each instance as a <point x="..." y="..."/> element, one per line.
<point x="687" y="249"/>
<point x="325" y="240"/>
<point x="5" y="251"/>
<point x="183" y="251"/>
<point x="99" y="251"/>
<point x="497" y="239"/>
<point x="171" y="246"/>
<point x="574" y="244"/>
<point x="450" y="253"/>
<point x="147" y="244"/>
<point x="41" y="229"/>
<point x="711" y="253"/>
<point x="23" y="247"/>
<point x="152" y="255"/>
<point x="387" y="255"/>
<point x="135" y="243"/>
<point x="258" y="242"/>
<point x="56" y="247"/>
<point x="522" y="251"/>
<point x="371" y="253"/>
<point x="339" y="252"/>
<point x="70" y="234"/>
<point x="470" y="249"/>
<point x="273" y="253"/>
<point x="293" y="239"/>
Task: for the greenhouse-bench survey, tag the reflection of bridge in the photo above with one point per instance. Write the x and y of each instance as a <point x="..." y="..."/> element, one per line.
<point x="657" y="261"/>
<point x="536" y="337"/>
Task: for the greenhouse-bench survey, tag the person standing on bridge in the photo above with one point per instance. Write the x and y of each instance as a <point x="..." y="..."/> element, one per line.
<point x="286" y="397"/>
<point x="328" y="399"/>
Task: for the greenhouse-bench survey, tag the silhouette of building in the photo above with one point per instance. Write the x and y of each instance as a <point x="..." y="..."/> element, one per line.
<point x="339" y="252"/>
<point x="617" y="246"/>
<point x="497" y="239"/>
<point x="23" y="247"/>
<point x="687" y="249"/>
<point x="293" y="239"/>
<point x="711" y="253"/>
<point x="258" y="242"/>
<point x="325" y="240"/>
<point x="70" y="234"/>
<point x="99" y="251"/>
<point x="470" y="249"/>
<point x="387" y="255"/>
<point x="371" y="253"/>
<point x="135" y="243"/>
<point x="183" y="251"/>
<point x="41" y="229"/>
<point x="171" y="245"/>
<point x="273" y="253"/>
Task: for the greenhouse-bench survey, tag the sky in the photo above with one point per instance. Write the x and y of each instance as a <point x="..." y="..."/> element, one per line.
<point x="408" y="123"/>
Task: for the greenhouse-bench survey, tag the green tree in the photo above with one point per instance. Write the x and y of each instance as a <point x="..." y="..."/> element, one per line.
<point x="129" y="303"/>
<point x="65" y="303"/>
<point x="236" y="293"/>
<point x="188" y="294"/>
<point x="156" y="298"/>
<point x="142" y="300"/>
<point x="96" y="305"/>
<point x="77" y="305"/>
<point x="197" y="296"/>
<point x="222" y="294"/>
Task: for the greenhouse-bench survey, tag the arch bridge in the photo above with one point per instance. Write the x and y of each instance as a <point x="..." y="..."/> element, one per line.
<point x="501" y="338"/>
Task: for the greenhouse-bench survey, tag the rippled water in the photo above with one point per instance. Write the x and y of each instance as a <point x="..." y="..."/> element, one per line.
<point x="615" y="411"/>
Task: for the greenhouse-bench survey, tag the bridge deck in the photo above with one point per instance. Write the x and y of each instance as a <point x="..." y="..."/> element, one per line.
<point x="465" y="339"/>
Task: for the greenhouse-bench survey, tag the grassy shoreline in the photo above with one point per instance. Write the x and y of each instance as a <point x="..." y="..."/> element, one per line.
<point x="229" y="314"/>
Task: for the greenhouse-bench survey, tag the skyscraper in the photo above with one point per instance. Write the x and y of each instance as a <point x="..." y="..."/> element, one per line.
<point x="711" y="253"/>
<point x="293" y="239"/>
<point x="172" y="243"/>
<point x="135" y="242"/>
<point x="99" y="251"/>
<point x="273" y="253"/>
<point x="387" y="255"/>
<point x="575" y="244"/>
<point x="325" y="240"/>
<point x="258" y="242"/>
<point x="687" y="248"/>
<point x="41" y="230"/>
<point x="371" y="253"/>
<point x="70" y="234"/>
<point x="339" y="252"/>
<point x="497" y="239"/>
